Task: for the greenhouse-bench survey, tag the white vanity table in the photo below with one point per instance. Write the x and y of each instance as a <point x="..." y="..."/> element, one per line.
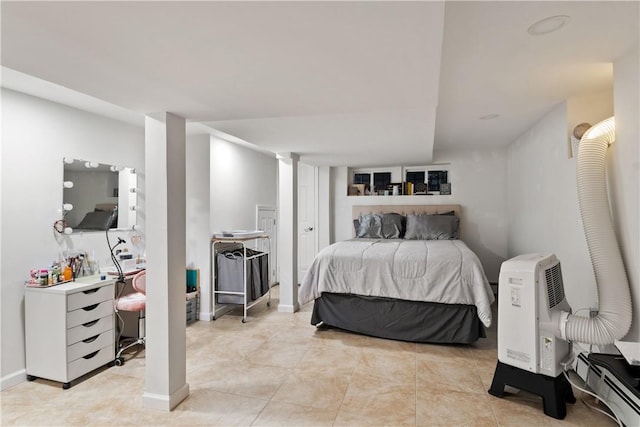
<point x="69" y="328"/>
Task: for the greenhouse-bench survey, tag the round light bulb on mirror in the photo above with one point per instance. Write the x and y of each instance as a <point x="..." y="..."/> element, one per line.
<point x="133" y="170"/>
<point x="133" y="190"/>
<point x="68" y="160"/>
<point x="67" y="184"/>
<point x="68" y="230"/>
<point x="67" y="207"/>
<point x="133" y="208"/>
<point x="136" y="227"/>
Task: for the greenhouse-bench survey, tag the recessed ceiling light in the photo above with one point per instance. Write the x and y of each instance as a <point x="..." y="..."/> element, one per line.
<point x="548" y="25"/>
<point x="489" y="116"/>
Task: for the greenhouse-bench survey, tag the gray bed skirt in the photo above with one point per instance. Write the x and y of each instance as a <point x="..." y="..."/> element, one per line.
<point x="403" y="320"/>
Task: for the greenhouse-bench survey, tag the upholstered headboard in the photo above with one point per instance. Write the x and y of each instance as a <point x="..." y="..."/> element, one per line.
<point x="405" y="209"/>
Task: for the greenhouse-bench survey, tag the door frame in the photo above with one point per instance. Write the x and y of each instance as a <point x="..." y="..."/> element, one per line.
<point x="273" y="245"/>
<point x="316" y="195"/>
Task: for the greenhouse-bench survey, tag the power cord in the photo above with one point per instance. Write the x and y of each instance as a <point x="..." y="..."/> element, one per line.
<point x="120" y="281"/>
<point x="614" y="417"/>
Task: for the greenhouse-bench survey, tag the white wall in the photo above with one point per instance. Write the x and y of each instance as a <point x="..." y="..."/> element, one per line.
<point x="624" y="175"/>
<point x="36" y="135"/>
<point x="544" y="214"/>
<point x="241" y="179"/>
<point x="478" y="184"/>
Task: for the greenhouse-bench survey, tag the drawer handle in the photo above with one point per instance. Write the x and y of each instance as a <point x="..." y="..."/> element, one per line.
<point x="89" y="324"/>
<point x="90" y="307"/>
<point x="91" y="355"/>
<point x="91" y="291"/>
<point x="92" y="339"/>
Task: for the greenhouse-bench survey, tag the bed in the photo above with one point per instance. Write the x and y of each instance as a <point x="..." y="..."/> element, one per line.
<point x="406" y="275"/>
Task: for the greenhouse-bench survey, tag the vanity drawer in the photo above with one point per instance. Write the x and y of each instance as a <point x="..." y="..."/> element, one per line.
<point x="89" y="345"/>
<point x="90" y="297"/>
<point x="89" y="313"/>
<point x="89" y="329"/>
<point x="91" y="361"/>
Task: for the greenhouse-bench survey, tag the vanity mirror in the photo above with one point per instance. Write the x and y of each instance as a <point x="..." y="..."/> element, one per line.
<point x="98" y="196"/>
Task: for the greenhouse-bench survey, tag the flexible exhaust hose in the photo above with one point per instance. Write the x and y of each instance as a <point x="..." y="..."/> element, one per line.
<point x="614" y="312"/>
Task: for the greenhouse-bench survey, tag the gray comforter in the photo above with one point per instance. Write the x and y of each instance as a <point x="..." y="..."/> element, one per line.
<point x="443" y="271"/>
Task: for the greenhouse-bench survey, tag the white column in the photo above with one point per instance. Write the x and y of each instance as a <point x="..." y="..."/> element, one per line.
<point x="198" y="213"/>
<point x="165" y="385"/>
<point x="288" y="231"/>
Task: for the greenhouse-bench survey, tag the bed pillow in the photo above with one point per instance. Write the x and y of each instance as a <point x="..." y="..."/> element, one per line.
<point x="380" y="226"/>
<point x="393" y="226"/>
<point x="370" y="225"/>
<point x="432" y="227"/>
<point x="96" y="220"/>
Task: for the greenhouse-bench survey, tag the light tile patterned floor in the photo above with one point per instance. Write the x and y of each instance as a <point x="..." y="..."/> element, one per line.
<point x="278" y="370"/>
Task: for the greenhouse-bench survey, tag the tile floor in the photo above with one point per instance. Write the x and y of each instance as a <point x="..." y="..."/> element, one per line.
<point x="278" y="370"/>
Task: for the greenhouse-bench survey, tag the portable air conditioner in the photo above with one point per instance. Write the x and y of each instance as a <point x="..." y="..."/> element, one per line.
<point x="530" y="288"/>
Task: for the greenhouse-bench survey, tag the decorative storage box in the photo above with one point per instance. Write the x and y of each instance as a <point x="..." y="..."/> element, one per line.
<point x="192" y="309"/>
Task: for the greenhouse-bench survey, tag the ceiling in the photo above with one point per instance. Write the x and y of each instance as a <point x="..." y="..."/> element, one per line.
<point x="340" y="83"/>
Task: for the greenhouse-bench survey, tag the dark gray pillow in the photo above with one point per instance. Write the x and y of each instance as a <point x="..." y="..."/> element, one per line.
<point x="380" y="226"/>
<point x="96" y="220"/>
<point x="393" y="226"/>
<point x="370" y="226"/>
<point x="432" y="227"/>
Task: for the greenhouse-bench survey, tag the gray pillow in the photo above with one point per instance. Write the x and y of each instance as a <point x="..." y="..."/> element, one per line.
<point x="380" y="226"/>
<point x="432" y="227"/>
<point x="393" y="225"/>
<point x="370" y="226"/>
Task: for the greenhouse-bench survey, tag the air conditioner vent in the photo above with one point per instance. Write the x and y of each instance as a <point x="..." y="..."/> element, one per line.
<point x="555" y="289"/>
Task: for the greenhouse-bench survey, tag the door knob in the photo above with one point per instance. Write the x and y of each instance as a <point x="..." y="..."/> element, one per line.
<point x="308" y="229"/>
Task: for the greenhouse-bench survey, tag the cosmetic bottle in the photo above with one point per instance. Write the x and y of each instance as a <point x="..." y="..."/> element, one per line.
<point x="44" y="277"/>
<point x="67" y="273"/>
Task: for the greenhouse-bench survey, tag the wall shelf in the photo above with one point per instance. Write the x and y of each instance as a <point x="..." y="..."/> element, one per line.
<point x="406" y="181"/>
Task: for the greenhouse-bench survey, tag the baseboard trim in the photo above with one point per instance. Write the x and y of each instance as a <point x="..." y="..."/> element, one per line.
<point x="287" y="308"/>
<point x="14" y="379"/>
<point x="206" y="316"/>
<point x="163" y="402"/>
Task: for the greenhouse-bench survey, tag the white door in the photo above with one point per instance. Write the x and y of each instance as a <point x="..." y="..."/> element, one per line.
<point x="306" y="218"/>
<point x="266" y="221"/>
